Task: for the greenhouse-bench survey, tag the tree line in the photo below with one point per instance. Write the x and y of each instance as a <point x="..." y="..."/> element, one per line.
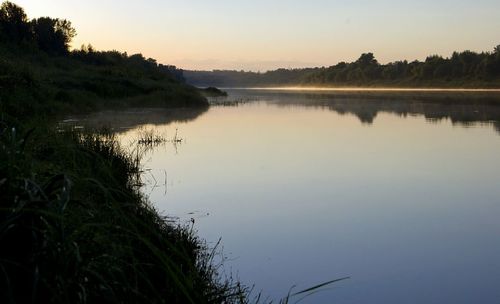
<point x="466" y="68"/>
<point x="462" y="67"/>
<point x="54" y="36"/>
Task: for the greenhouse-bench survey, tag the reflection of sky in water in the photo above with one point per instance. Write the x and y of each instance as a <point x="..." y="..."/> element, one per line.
<point x="302" y="195"/>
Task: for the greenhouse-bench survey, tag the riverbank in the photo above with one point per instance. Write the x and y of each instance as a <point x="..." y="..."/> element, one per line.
<point x="33" y="82"/>
<point x="76" y="229"/>
<point x="74" y="225"/>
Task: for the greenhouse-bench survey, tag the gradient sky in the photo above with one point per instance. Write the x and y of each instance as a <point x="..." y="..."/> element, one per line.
<point x="262" y="34"/>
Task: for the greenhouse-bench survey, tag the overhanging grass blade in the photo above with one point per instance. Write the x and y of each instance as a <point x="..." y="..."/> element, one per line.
<point x="319" y="286"/>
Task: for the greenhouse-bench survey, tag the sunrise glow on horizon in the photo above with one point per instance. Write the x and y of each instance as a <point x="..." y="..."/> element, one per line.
<point x="259" y="36"/>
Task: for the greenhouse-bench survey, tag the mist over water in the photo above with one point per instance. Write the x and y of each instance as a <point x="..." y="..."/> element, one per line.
<point x="398" y="192"/>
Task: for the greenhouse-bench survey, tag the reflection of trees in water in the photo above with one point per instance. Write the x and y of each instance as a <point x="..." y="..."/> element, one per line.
<point x="496" y="124"/>
<point x="131" y="118"/>
<point x="460" y="108"/>
<point x="365" y="115"/>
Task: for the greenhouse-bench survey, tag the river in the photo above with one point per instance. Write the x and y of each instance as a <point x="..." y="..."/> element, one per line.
<point x="399" y="192"/>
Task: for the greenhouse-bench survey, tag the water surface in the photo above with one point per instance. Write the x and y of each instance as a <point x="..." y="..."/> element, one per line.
<point x="399" y="192"/>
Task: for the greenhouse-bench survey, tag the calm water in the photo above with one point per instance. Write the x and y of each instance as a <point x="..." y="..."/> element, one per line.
<point x="399" y="192"/>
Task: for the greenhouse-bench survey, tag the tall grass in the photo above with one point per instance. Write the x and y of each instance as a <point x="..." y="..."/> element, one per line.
<point x="75" y="229"/>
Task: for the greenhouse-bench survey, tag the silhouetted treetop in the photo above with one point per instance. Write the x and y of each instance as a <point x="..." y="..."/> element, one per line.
<point x="367" y="59"/>
<point x="53" y="35"/>
<point x="14" y="24"/>
<point x="50" y="35"/>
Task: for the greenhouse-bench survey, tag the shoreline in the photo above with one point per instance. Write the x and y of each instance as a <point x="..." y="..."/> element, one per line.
<point x="367" y="89"/>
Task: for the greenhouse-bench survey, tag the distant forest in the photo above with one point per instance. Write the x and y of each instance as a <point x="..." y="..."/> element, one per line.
<point x="462" y="69"/>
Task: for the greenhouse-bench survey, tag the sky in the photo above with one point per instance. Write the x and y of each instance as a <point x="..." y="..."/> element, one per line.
<point x="260" y="35"/>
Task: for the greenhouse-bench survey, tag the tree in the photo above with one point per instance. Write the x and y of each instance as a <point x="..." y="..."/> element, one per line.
<point x="367" y="59"/>
<point x="14" y="25"/>
<point x="53" y="35"/>
<point x="65" y="31"/>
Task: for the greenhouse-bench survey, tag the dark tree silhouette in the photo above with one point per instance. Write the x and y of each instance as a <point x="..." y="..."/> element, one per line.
<point x="14" y="24"/>
<point x="53" y="35"/>
<point x="367" y="59"/>
<point x="50" y="35"/>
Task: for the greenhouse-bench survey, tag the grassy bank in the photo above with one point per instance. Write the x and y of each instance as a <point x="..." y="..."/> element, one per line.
<point x="74" y="228"/>
<point x="33" y="82"/>
<point x="39" y="74"/>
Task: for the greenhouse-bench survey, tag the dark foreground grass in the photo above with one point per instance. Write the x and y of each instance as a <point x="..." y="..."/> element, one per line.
<point x="74" y="228"/>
